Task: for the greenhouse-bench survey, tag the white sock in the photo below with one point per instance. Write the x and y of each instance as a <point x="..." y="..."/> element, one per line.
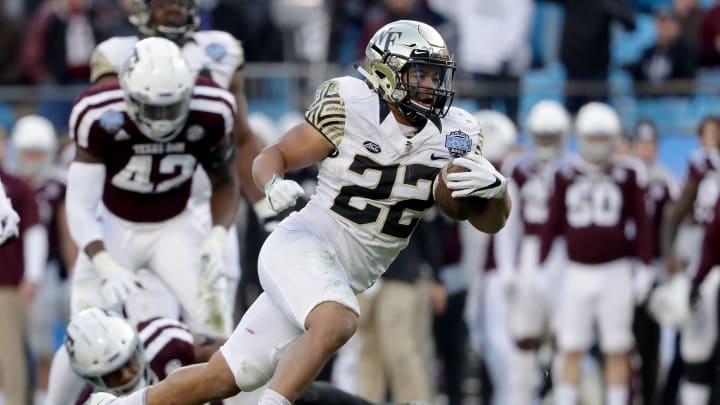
<point x="616" y="395"/>
<point x="694" y="394"/>
<point x="556" y="369"/>
<point x="271" y="397"/>
<point x="566" y="394"/>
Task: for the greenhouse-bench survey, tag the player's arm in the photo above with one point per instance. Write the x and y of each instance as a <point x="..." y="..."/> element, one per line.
<point x="86" y="179"/>
<point x="300" y="147"/>
<point x="556" y="211"/>
<point x="68" y="248"/>
<point x="494" y="216"/>
<point x="247" y="147"/>
<point x="710" y="254"/>
<point x="225" y="197"/>
<point x="673" y="215"/>
<point x="205" y="346"/>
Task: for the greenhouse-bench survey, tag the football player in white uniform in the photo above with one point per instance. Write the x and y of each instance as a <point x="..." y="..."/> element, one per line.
<point x="533" y="299"/>
<point x="380" y="144"/>
<point x="597" y="199"/>
<point x="9" y="219"/>
<point x="138" y="144"/>
<point x="212" y="53"/>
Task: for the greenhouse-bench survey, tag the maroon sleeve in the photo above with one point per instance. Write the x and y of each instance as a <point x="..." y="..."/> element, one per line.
<point x="710" y="254"/>
<point x="556" y="216"/>
<point x="27" y="207"/>
<point x="644" y="242"/>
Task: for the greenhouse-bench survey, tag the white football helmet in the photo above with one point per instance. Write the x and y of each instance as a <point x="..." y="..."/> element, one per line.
<point x="99" y="343"/>
<point x="158" y="84"/>
<point x="548" y="124"/>
<point x="499" y="134"/>
<point x="142" y="18"/>
<point x="34" y="133"/>
<point x="598" y="128"/>
<point x="409" y="65"/>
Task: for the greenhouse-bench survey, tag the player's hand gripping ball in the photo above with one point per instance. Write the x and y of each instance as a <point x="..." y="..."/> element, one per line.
<point x="458" y="209"/>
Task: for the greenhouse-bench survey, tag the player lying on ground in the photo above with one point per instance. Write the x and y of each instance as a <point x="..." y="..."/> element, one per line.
<point x="111" y="355"/>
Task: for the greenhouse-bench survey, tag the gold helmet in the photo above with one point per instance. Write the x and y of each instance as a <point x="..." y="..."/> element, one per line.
<point x="408" y="64"/>
<point x="142" y="17"/>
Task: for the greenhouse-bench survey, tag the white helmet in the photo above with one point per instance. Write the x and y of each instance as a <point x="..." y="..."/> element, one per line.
<point x="499" y="134"/>
<point x="399" y="58"/>
<point x="597" y="119"/>
<point x="158" y="85"/>
<point x="34" y="133"/>
<point x="98" y="343"/>
<point x="548" y="124"/>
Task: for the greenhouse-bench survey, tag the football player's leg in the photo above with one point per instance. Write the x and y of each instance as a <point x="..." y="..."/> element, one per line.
<point x="574" y="324"/>
<point x="245" y="362"/>
<point x="615" y="312"/>
<point x="698" y="342"/>
<point x="175" y="258"/>
<point x="304" y="278"/>
<point x="64" y="386"/>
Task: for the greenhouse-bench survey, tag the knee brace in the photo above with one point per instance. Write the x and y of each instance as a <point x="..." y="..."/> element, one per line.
<point x="249" y="377"/>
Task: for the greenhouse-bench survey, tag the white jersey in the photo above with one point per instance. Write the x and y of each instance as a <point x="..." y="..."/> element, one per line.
<point x="217" y="51"/>
<point x="377" y="184"/>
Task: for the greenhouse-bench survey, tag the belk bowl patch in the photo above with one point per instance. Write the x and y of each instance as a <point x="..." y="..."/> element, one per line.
<point x="458" y="143"/>
<point x="215" y="51"/>
<point x="111" y="121"/>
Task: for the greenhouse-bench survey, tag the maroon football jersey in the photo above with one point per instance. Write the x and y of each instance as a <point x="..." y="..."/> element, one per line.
<point x="710" y="254"/>
<point x="598" y="209"/>
<point x="24" y="202"/>
<point x="534" y="181"/>
<point x="50" y="187"/>
<point x="703" y="169"/>
<point x="149" y="181"/>
<point x="662" y="189"/>
<point x="167" y="344"/>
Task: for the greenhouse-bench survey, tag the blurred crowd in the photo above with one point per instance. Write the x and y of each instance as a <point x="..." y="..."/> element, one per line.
<point x="497" y="43"/>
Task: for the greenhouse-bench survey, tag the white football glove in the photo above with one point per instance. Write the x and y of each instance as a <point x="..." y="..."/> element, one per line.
<point x="282" y="194"/>
<point x="213" y="280"/>
<point x="670" y="302"/>
<point x="483" y="180"/>
<point x="9" y="220"/>
<point x="118" y="283"/>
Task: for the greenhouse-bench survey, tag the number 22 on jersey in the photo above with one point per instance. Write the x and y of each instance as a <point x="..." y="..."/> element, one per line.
<point x="137" y="176"/>
<point x="392" y="184"/>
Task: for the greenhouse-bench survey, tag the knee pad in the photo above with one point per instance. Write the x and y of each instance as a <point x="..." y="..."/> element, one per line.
<point x="700" y="373"/>
<point x="249" y="376"/>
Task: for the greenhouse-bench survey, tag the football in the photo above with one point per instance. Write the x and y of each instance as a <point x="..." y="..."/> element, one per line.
<point x="458" y="209"/>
